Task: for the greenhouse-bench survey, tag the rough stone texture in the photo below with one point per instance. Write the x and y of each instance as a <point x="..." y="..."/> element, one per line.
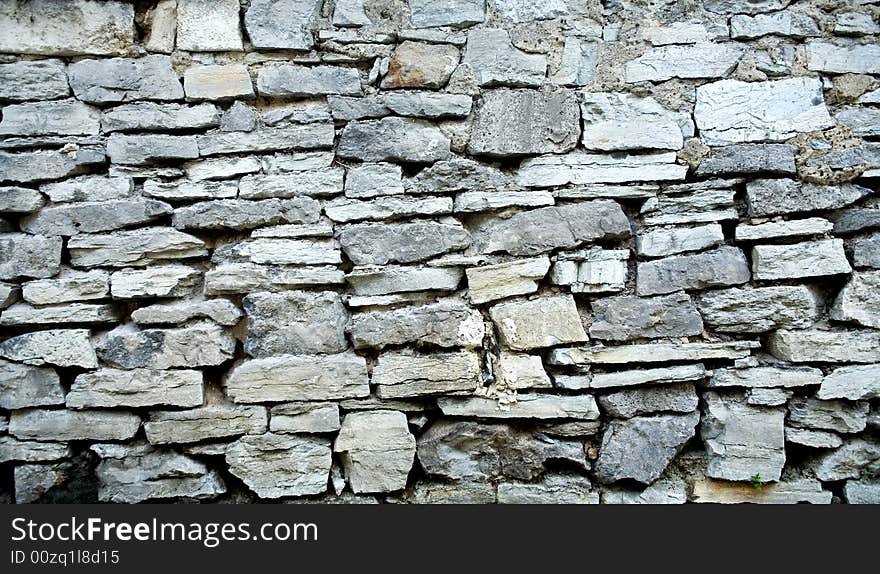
<point x="675" y="398"/>
<point x="208" y="25"/>
<point x="856" y="302"/>
<point x="626" y="318"/>
<point x="809" y="259"/>
<point x="400" y="374"/>
<point x="532" y="406"/>
<point x="65" y="425"/>
<point x="60" y="347"/>
<point x="620" y="122"/>
<point x="29" y="256"/>
<point x="378" y="244"/>
<point x="377" y="450"/>
<point x="136" y="388"/>
<point x="418" y="65"/>
<point x="759" y="310"/>
<point x="506" y="279"/>
<point x="785" y="492"/>
<point x="583" y="168"/>
<point x="496" y="62"/>
<point x="276" y="465"/>
<point x="125" y="80"/>
<point x="519" y="122"/>
<point x="717" y="268"/>
<point x="284" y="24"/>
<point x="445" y="324"/>
<point x="33" y="80"/>
<point x="294" y="322"/>
<point x="852" y="383"/>
<point x="704" y="60"/>
<point x="200" y="344"/>
<point x="839" y="416"/>
<point x="783" y="196"/>
<point x="541" y="322"/>
<point x="25" y="386"/>
<point x="748" y="159"/>
<point x="217" y="419"/>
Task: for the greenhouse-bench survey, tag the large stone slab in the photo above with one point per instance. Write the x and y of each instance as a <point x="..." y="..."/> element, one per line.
<point x="496" y="62"/>
<point x="90" y="188"/>
<point x="376" y="449"/>
<point x="784" y="196"/>
<point x="660" y="375"/>
<point x="831" y="415"/>
<point x="400" y="374"/>
<point x="536" y="323"/>
<point x="626" y="318"/>
<point x="201" y="344"/>
<point x="703" y="60"/>
<point x="215" y="420"/>
<point x="133" y="248"/>
<point x="379" y="244"/>
<point x="298" y="137"/>
<point x="64" y="117"/>
<point x="376" y="280"/>
<point x="277" y="465"/>
<point x="617" y="121"/>
<point x="71" y="28"/>
<point x="522" y="122"/>
<point x="296" y="81"/>
<point x="393" y="139"/>
<point x="786" y="492"/>
<point x="65" y="425"/>
<point x="208" y="25"/>
<point x="125" y="80"/>
<point x="548" y="228"/>
<point x="531" y="406"/>
<point x="506" y="279"/>
<point x="759" y="309"/>
<point x="781" y="229"/>
<point x="664" y="241"/>
<point x="717" y="268"/>
<point x="857" y="301"/>
<point x="698" y="203"/>
<point x="136" y="388"/>
<point x="458" y="13"/>
<point x="854" y="346"/>
<point x="672" y="398"/>
<point x="93" y="217"/>
<point x="583" y="168"/>
<point x="61" y="347"/>
<point x="313" y="182"/>
<point x="278" y="252"/>
<point x="447" y="323"/>
<point x="851" y="383"/>
<point x="284" y="24"/>
<point x="294" y="323"/>
<point x="742" y="441"/>
<point x="651" y="353"/>
<point x="797" y="260"/>
<point x="33" y="80"/>
<point x="641" y="448"/>
<point x="418" y="65"/>
<point x="24" y="255"/>
<point x="553" y="489"/>
<point x="221" y="311"/>
<point x="24" y="386"/>
<point x="217" y="82"/>
<point x="348" y="210"/>
<point x="23" y="314"/>
<point x="246" y="214"/>
<point x="299" y="378"/>
<point x="731" y="111"/>
<point x="12" y="449"/>
<point x="765" y="377"/>
<point x="748" y="159"/>
<point x="151" y="116"/>
<point x="234" y="278"/>
<point x="837" y="59"/>
<point x="308" y="418"/>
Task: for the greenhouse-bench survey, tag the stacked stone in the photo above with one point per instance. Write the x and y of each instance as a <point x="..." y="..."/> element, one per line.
<point x="440" y="251"/>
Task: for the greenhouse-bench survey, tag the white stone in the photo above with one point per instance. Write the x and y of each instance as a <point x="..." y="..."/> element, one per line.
<point x="704" y="60"/>
<point x="617" y="121"/>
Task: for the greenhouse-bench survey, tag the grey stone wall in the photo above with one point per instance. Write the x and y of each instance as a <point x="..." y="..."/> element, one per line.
<point x="440" y="251"/>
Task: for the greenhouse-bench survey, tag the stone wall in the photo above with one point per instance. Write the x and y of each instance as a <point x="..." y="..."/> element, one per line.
<point x="440" y="251"/>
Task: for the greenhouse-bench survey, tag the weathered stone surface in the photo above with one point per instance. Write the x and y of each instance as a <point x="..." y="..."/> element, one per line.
<point x="134" y="473"/>
<point x="317" y="182"/>
<point x="377" y="450"/>
<point x="217" y="419"/>
<point x="29" y="256"/>
<point x="748" y="159"/>
<point x="856" y="457"/>
<point x="742" y="441"/>
<point x="787" y="107"/>
<point x="189" y="190"/>
<point x="626" y="318"/>
<point x="277" y="251"/>
<point x="347" y="210"/>
<point x="542" y="230"/>
<point x="463" y="492"/>
<point x="43" y="165"/>
<point x="531" y="406"/>
<point x="582" y="168"/>
<point x="553" y="489"/>
<point x="651" y="353"/>
<point x="227" y="279"/>
<point x="379" y="244"/>
<point x="64" y="117"/>
<point x="299" y="378"/>
<point x="852" y="59"/>
<point x="648" y="376"/>
<point x="418" y="65"/>
<point x="9" y="294"/>
<point x="663" y="491"/>
<point x="852" y="383"/>
<point x="839" y="416"/>
<point x="866" y="251"/>
<point x="780" y="229"/>
<point x="760" y="309"/>
<point x="245" y="214"/>
<point x="704" y="60"/>
<point x="744" y="6"/>
<point x="808" y="259"/>
<point x="458" y="174"/>
<point x="765" y="377"/>
<point x="698" y="203"/>
<point x="717" y="268"/>
<point x="855" y="346"/>
<point x="283" y="25"/>
<point x="794" y="24"/>
<point x="786" y="492"/>
<point x="467" y="450"/>
<point x="93" y="217"/>
<point x="641" y="448"/>
<point x="125" y="80"/>
<point x="350" y="13"/>
<point x="23" y="314"/>
<point x="674" y="398"/>
<point x="428" y="104"/>
<point x="23" y="386"/>
<point x="519" y="122"/>
<point x="663" y="241"/>
<point x="295" y="323"/>
<point x="136" y="248"/>
<point x="366" y="281"/>
<point x="305" y="418"/>
<point x="197" y="345"/>
<point x="458" y="13"/>
<point x="61" y="347"/>
<point x="145" y="149"/>
<point x="66" y="28"/>
<point x="207" y="169"/>
<point x="221" y="311"/>
<point x="217" y="82"/>
<point x="473" y="201"/>
<point x="208" y="25"/>
<point x="276" y="465"/>
<point x="149" y="116"/>
<point x="90" y="188"/>
<point x="393" y="139"/>
<point x="295" y="81"/>
<point x="783" y="196"/>
<point x="862" y="492"/>
<point x="32" y="481"/>
<point x="162" y="27"/>
<point x="373" y="180"/>
<point x="541" y="322"/>
<point x="615" y="121"/>
<point x="12" y="449"/>
<point x="20" y="200"/>
<point x="520" y="371"/>
<point x="505" y="279"/>
<point x="496" y="62"/>
<point x="578" y="62"/>
<point x="862" y="121"/>
<point x="857" y="301"/>
<point x="64" y="425"/>
<point x="33" y="80"/>
<point x="593" y="270"/>
<point x="448" y="323"/>
<point x="812" y="438"/>
<point x="400" y="374"/>
<point x="136" y="388"/>
<point x="768" y="397"/>
<point x="309" y="136"/>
